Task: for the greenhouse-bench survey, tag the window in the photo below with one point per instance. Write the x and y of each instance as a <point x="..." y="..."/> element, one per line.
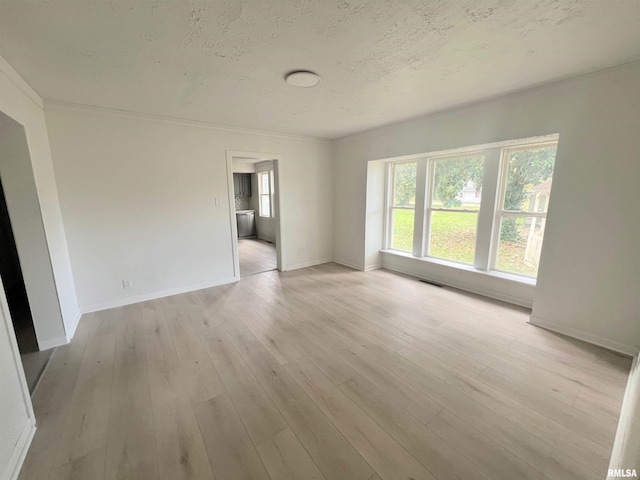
<point x="454" y="206"/>
<point x="402" y="208"/>
<point x="265" y="194"/>
<point x="481" y="206"/>
<point x="524" y="193"/>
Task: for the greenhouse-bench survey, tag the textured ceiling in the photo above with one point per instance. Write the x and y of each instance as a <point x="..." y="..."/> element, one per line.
<point x="380" y="61"/>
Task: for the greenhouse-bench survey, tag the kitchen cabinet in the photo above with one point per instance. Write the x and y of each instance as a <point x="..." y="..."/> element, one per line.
<point x="242" y="184"/>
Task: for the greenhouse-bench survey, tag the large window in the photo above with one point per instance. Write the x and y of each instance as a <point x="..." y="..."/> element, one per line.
<point x="265" y="194"/>
<point x="485" y="207"/>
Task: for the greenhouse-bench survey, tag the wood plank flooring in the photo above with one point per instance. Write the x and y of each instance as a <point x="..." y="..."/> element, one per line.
<point x="256" y="256"/>
<point x="324" y="373"/>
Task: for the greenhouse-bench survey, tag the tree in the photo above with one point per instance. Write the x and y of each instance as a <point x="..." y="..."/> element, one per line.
<point x="405" y="184"/>
<point x="451" y="176"/>
<point x="526" y="169"/>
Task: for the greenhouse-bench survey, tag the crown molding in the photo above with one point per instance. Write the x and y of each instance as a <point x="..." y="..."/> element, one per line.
<point x="15" y="78"/>
<point x="76" y="107"/>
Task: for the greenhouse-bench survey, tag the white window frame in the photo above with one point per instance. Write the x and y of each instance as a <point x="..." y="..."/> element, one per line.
<point x="490" y="212"/>
<point x="390" y="197"/>
<point x="500" y="213"/>
<point x="272" y="213"/>
<point x="430" y="208"/>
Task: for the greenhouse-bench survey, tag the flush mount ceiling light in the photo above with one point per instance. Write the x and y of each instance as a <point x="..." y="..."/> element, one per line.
<point x="303" y="79"/>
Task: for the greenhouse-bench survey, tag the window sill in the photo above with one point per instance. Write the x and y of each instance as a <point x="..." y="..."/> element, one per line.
<point x="465" y="268"/>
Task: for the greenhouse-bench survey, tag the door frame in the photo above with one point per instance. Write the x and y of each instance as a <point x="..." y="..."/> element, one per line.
<point x="277" y="200"/>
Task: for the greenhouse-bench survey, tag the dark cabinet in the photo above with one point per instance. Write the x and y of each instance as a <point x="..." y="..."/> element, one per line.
<point x="242" y="184"/>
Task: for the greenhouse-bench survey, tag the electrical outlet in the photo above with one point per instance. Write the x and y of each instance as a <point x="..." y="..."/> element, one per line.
<point x="127" y="284"/>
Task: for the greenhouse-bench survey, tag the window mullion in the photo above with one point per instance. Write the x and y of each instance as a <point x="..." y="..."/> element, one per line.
<point x="429" y="209"/>
<point x="419" y="219"/>
<point x="488" y="204"/>
<point x="388" y="195"/>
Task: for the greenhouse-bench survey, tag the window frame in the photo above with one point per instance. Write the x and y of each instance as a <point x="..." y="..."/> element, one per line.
<point x="390" y="200"/>
<point x="429" y="209"/>
<point x="500" y="212"/>
<point x="269" y="194"/>
<point x="489" y="215"/>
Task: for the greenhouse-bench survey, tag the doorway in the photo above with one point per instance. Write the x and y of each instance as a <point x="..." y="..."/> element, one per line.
<point x="33" y="360"/>
<point x="255" y="210"/>
<point x="25" y="263"/>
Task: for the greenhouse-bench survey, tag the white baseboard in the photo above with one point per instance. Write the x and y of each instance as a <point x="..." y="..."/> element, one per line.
<point x="59" y="341"/>
<point x="308" y="264"/>
<point x="19" y="453"/>
<point x="375" y="266"/>
<point x="346" y="263"/>
<point x="71" y="331"/>
<point x="266" y="239"/>
<point x="607" y="343"/>
<point x="52" y="343"/>
<point x="121" y="302"/>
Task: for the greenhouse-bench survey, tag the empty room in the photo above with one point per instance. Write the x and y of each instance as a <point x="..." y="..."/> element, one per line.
<point x="337" y="240"/>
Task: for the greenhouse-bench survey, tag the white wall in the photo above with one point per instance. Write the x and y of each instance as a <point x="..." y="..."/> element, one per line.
<point x="375" y="205"/>
<point x="590" y="270"/>
<point x="54" y="318"/>
<point x="138" y="201"/>
<point x="253" y="201"/>
<point x="244" y="166"/>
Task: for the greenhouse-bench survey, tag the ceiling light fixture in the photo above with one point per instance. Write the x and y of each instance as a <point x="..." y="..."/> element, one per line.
<point x="302" y="78"/>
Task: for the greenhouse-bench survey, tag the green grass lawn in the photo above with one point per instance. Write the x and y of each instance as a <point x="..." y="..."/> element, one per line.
<point x="453" y="238"/>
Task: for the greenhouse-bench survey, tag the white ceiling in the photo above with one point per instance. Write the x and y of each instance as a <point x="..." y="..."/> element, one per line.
<point x="381" y="61"/>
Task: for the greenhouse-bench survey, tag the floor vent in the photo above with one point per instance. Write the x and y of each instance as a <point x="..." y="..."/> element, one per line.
<point x="431" y="283"/>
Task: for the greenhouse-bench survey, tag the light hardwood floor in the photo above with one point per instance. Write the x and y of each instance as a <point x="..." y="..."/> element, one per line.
<point x="256" y="256"/>
<point x="324" y="373"/>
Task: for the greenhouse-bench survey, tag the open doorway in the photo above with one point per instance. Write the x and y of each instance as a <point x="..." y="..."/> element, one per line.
<point x="25" y="264"/>
<point x="33" y="360"/>
<point x="255" y="211"/>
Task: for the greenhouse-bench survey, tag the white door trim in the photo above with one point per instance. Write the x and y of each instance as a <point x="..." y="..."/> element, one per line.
<point x="12" y="469"/>
<point x="278" y="200"/>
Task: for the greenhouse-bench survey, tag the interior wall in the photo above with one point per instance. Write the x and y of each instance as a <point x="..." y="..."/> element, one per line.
<point x="147" y="199"/>
<point x="55" y="309"/>
<point x="590" y="270"/>
<point x="374" y="223"/>
<point x="253" y="201"/>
